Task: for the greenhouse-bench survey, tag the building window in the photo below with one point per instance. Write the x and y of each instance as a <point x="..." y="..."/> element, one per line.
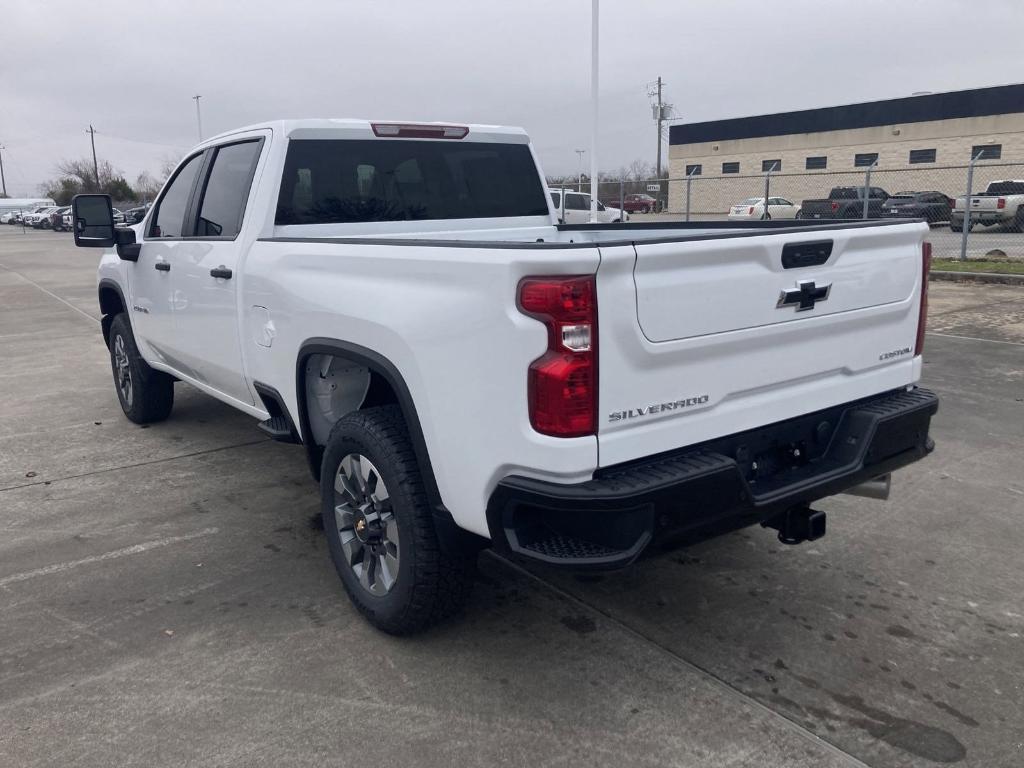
<point x="990" y="151"/>
<point x="816" y="163"/>
<point x="922" y="156"/>
<point x="771" y="165"/>
<point x="865" y="159"/>
<point x="693" y="170"/>
<point x="730" y="167"/>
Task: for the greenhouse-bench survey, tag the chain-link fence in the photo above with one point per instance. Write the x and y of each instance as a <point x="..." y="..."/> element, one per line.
<point x="995" y="222"/>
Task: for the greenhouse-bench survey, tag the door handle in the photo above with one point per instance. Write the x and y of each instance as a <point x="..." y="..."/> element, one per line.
<point x="162" y="266"/>
<point x="221" y="271"/>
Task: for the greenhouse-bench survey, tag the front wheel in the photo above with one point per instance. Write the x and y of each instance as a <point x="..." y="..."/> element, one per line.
<point x="146" y="395"/>
<point x="380" y="526"/>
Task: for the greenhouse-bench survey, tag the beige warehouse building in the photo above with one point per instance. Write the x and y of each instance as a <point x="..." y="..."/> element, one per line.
<point x="920" y="143"/>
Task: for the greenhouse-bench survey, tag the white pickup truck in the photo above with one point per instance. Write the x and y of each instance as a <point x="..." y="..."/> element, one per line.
<point x="1002" y="202"/>
<point x="463" y="371"/>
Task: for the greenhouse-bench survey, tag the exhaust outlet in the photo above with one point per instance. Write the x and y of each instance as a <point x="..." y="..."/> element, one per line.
<point x="877" y="488"/>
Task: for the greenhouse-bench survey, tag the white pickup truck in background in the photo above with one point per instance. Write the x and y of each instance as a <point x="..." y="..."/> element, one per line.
<point x="463" y="371"/>
<point x="1002" y="203"/>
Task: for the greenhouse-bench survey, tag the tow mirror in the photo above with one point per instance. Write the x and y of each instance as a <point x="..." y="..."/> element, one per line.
<point x="92" y="218"/>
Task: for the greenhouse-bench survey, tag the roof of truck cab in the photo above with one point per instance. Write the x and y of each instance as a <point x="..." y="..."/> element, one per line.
<point x="311" y="128"/>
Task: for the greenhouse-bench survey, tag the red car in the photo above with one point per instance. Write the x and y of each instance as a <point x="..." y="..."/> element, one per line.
<point x="639" y="203"/>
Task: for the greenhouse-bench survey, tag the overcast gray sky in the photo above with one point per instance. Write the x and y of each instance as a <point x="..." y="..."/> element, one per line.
<point x="131" y="68"/>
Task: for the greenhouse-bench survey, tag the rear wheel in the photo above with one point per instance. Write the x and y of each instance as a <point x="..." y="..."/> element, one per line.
<point x="1018" y="220"/>
<point x="146" y="395"/>
<point x="380" y="526"/>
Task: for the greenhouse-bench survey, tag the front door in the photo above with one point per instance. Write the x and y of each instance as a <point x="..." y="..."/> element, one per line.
<point x="150" y="278"/>
<point x="205" y="271"/>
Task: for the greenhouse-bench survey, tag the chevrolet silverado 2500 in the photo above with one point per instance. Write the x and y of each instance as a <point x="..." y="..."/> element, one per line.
<point x="462" y="371"/>
<point x="1002" y="202"/>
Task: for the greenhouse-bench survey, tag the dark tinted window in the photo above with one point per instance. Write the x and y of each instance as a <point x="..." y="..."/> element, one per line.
<point x="693" y="170"/>
<point x="1005" y="188"/>
<point x="922" y="156"/>
<point x="865" y="159"/>
<point x="227" y="189"/>
<point x="771" y="165"/>
<point x="989" y="151"/>
<point x="816" y="163"/>
<point x="575" y="202"/>
<point x="730" y="167"/>
<point x="846" y="193"/>
<point x="556" y="199"/>
<point x="345" y="181"/>
<point x="170" y="212"/>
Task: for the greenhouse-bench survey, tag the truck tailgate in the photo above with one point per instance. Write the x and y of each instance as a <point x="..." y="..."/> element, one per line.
<point x="723" y="334"/>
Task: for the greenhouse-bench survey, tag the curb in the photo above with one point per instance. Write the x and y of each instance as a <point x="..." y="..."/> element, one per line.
<point x="992" y="278"/>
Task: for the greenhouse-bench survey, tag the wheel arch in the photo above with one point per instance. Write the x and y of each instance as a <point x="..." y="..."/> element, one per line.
<point x="112" y="303"/>
<point x="385" y="371"/>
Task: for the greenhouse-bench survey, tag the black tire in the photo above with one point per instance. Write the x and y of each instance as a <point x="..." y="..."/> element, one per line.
<point x="427" y="585"/>
<point x="1018" y="220"/>
<point x="149" y="394"/>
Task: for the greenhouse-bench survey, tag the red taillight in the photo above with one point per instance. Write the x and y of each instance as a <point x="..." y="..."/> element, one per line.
<point x="922" y="315"/>
<point x="562" y="383"/>
<point x="835" y="206"/>
<point x="413" y="131"/>
<point x="1001" y="202"/>
<point x="750" y="211"/>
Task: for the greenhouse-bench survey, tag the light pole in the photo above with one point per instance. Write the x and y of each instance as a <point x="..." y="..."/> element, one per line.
<point x="579" y="154"/>
<point x="199" y="118"/>
<point x="595" y="114"/>
<point x="3" y="181"/>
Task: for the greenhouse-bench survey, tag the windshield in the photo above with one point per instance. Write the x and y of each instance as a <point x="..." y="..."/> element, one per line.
<point x="847" y="193"/>
<point x="752" y="201"/>
<point x="335" y="181"/>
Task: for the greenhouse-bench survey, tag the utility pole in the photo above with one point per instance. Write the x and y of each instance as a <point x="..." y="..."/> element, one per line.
<point x="659" y="116"/>
<point x="95" y="165"/>
<point x="199" y="118"/>
<point x="579" y="154"/>
<point x="3" y="181"/>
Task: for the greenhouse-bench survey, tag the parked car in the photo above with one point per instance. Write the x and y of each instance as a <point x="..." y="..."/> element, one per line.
<point x="1002" y="203"/>
<point x="35" y="217"/>
<point x="9" y="217"/>
<point x="577" y="208"/>
<point x="135" y="215"/>
<point x="442" y="369"/>
<point x="639" y="203"/>
<point x="66" y="220"/>
<point x="118" y="216"/>
<point x="845" y="203"/>
<point x="57" y="218"/>
<point x="931" y="206"/>
<point x="753" y="209"/>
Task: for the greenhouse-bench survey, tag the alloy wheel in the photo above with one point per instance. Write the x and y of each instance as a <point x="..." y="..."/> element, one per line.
<point x="366" y="524"/>
<point x="123" y="371"/>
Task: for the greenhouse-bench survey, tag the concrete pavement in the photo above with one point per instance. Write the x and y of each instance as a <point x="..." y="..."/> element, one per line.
<point x="166" y="597"/>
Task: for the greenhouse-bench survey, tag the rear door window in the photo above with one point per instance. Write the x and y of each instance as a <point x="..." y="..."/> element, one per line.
<point x="341" y="181"/>
<point x="227" y="189"/>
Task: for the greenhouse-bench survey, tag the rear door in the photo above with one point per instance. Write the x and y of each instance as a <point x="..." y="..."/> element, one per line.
<point x="577" y="208"/>
<point x="205" y="270"/>
<point x="706" y="336"/>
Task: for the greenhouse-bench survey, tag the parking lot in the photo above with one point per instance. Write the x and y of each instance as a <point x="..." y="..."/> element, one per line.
<point x="166" y="597"/>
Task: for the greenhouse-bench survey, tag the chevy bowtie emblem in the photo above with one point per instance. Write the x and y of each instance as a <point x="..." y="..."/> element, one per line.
<point x="804" y="296"/>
